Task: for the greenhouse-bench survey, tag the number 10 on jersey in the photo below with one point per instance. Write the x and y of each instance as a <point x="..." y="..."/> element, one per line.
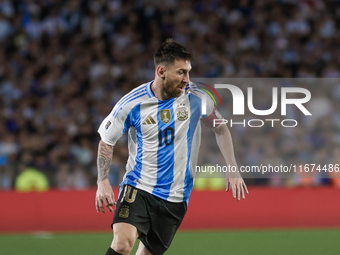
<point x="166" y="136"/>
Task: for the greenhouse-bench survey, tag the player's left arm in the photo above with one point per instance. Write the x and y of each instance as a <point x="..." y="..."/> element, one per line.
<point x="225" y="144"/>
<point x="224" y="141"/>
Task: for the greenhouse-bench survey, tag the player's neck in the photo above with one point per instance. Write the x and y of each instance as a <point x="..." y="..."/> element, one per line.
<point x="157" y="89"/>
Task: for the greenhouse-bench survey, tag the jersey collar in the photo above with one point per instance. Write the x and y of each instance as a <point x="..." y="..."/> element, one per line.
<point x="148" y="89"/>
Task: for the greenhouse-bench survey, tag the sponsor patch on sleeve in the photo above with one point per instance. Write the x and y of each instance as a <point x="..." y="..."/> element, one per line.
<point x="108" y="124"/>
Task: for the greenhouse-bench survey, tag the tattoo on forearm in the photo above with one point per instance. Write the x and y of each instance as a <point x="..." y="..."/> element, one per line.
<point x="104" y="160"/>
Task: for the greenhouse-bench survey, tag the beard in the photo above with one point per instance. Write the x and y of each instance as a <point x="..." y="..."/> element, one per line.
<point x="171" y="90"/>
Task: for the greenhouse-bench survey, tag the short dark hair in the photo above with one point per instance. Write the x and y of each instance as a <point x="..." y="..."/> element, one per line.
<point x="170" y="51"/>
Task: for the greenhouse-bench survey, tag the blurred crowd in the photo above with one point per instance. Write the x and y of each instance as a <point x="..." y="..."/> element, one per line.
<point x="65" y="63"/>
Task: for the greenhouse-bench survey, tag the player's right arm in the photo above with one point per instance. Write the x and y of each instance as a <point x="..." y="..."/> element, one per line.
<point x="104" y="193"/>
<point x="120" y="119"/>
<point x="110" y="130"/>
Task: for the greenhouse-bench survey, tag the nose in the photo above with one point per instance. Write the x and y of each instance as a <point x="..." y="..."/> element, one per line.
<point x="186" y="78"/>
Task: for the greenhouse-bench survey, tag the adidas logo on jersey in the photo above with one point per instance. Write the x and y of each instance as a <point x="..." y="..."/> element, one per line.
<point x="149" y="120"/>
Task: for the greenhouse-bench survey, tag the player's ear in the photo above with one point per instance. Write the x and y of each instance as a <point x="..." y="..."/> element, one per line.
<point x="161" y="71"/>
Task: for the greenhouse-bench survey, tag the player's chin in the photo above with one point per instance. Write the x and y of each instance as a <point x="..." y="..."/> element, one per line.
<point x="177" y="93"/>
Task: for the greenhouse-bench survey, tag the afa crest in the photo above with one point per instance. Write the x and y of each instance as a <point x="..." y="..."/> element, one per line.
<point x="182" y="112"/>
<point x="124" y="212"/>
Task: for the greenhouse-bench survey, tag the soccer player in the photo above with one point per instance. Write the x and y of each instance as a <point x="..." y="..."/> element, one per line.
<point x="162" y="118"/>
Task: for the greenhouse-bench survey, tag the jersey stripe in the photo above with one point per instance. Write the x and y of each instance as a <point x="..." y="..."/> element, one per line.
<point x="181" y="151"/>
<point x="193" y="87"/>
<point x="165" y="153"/>
<point x="197" y="90"/>
<point x="143" y="93"/>
<point x="127" y="99"/>
<point x="133" y="147"/>
<point x="195" y="106"/>
<point x="149" y="168"/>
<point x="134" y="175"/>
<point x="127" y="96"/>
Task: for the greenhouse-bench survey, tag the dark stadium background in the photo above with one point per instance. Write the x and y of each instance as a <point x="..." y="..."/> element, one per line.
<point x="65" y="64"/>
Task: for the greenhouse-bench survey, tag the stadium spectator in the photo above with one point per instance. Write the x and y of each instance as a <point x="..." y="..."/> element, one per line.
<point x="30" y="179"/>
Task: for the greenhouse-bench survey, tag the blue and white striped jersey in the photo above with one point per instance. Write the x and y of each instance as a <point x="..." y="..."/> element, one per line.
<point x="163" y="139"/>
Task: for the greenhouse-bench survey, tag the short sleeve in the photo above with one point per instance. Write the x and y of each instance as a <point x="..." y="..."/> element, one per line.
<point x="209" y="104"/>
<point x="210" y="120"/>
<point x="212" y="114"/>
<point x="113" y="127"/>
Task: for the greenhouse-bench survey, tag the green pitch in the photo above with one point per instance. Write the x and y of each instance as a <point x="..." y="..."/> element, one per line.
<point x="197" y="243"/>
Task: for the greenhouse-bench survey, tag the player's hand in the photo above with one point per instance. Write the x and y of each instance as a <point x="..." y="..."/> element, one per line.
<point x="237" y="185"/>
<point x="104" y="196"/>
